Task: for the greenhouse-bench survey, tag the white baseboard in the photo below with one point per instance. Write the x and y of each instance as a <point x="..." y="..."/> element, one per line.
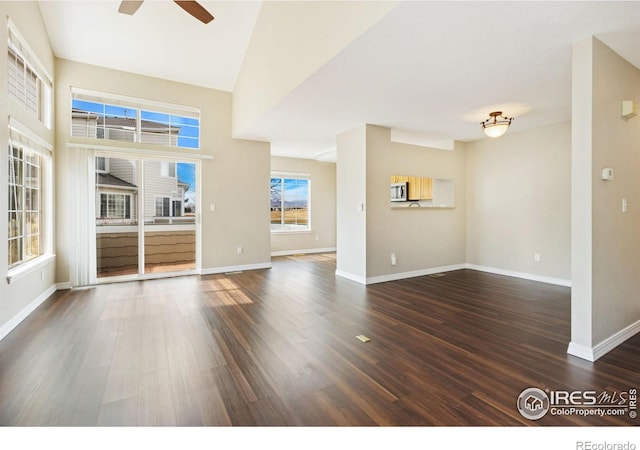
<point x="432" y="270"/>
<point x="15" y="320"/>
<point x="63" y="286"/>
<point x="414" y="273"/>
<point x="524" y="275"/>
<point x="605" y="346"/>
<point x="215" y="270"/>
<point x="397" y="276"/>
<point x="303" y="251"/>
<point x="350" y="276"/>
<point x="581" y="351"/>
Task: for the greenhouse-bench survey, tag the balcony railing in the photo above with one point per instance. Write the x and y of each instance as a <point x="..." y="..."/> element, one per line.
<point x="167" y="248"/>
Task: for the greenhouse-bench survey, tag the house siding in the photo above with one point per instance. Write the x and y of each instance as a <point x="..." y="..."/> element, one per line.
<point x="118" y="252"/>
<point x="170" y="247"/>
<point x="84" y="127"/>
<point x="123" y="169"/>
<point x="156" y="185"/>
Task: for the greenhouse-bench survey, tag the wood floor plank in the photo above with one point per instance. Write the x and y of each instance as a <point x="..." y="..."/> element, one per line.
<point x="155" y="399"/>
<point x="277" y="347"/>
<point x="119" y="413"/>
<point x="235" y="403"/>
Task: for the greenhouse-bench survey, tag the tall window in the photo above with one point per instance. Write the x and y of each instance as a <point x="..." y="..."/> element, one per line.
<point x="118" y="118"/>
<point x="29" y="156"/>
<point x="25" y="205"/>
<point x="29" y="86"/>
<point x="290" y="203"/>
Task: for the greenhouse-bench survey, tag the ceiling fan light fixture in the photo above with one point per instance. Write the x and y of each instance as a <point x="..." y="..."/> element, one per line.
<point x="129" y="7"/>
<point x="496" y="125"/>
<point x="194" y="8"/>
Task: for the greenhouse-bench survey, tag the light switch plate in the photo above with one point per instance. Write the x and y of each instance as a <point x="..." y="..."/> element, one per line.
<point x="629" y="109"/>
<point x="607" y="173"/>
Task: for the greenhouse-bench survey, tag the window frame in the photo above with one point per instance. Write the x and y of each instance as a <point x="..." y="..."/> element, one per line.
<point x="106" y="164"/>
<point x="17" y="139"/>
<point x="283" y="176"/>
<point x="142" y="113"/>
<point x="173" y="207"/>
<point x="168" y="205"/>
<point x="167" y="168"/>
<point x="19" y="50"/>
<point x="125" y="196"/>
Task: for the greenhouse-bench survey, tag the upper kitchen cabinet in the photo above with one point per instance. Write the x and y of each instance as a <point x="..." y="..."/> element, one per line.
<point x="421" y="192"/>
<point x="420" y="188"/>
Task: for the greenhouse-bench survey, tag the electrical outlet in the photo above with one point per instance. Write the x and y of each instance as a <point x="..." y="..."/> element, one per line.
<point x="317" y="238"/>
<point x="239" y="250"/>
<point x="536" y="257"/>
<point x="394" y="260"/>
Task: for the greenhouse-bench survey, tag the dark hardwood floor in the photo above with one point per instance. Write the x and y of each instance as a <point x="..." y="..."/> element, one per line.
<point x="279" y="347"/>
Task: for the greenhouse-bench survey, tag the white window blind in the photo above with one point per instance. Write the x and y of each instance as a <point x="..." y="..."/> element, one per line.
<point x="28" y="83"/>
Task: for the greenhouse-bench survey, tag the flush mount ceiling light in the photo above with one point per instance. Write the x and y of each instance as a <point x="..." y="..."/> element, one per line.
<point x="496" y="125"/>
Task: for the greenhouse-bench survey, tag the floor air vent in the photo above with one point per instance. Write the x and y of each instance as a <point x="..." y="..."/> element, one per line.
<point x="436" y="275"/>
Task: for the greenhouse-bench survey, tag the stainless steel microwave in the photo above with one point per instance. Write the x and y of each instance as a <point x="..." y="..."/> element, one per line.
<point x="399" y="192"/>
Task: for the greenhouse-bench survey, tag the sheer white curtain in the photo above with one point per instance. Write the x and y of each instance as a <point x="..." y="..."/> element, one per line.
<point x="83" y="260"/>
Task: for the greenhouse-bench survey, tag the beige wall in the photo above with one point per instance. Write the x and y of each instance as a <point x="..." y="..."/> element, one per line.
<point x="236" y="180"/>
<point x="21" y="293"/>
<point x="421" y="238"/>
<point x="290" y="41"/>
<point x="519" y="202"/>
<point x="351" y="204"/>
<point x="616" y="235"/>
<point x="323" y="207"/>
<point x="606" y="241"/>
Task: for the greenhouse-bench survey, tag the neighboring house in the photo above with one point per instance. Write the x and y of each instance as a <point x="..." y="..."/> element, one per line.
<point x="117" y="192"/>
<point x="164" y="194"/>
<point x="90" y="124"/>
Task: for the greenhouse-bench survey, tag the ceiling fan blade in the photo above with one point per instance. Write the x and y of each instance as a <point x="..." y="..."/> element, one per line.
<point x="129" y="6"/>
<point x="196" y="10"/>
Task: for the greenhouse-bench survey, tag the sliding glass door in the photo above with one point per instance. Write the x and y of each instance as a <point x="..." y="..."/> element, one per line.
<point x="169" y="216"/>
<point x="145" y="216"/>
<point x="116" y="213"/>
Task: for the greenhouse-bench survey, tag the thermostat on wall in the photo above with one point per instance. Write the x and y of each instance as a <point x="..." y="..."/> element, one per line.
<point x="607" y="173"/>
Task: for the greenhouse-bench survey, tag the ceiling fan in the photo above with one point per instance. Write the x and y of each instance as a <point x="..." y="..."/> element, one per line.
<point x="192" y="7"/>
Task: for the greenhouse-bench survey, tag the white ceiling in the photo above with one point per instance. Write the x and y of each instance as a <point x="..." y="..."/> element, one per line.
<point x="160" y="40"/>
<point x="437" y="68"/>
